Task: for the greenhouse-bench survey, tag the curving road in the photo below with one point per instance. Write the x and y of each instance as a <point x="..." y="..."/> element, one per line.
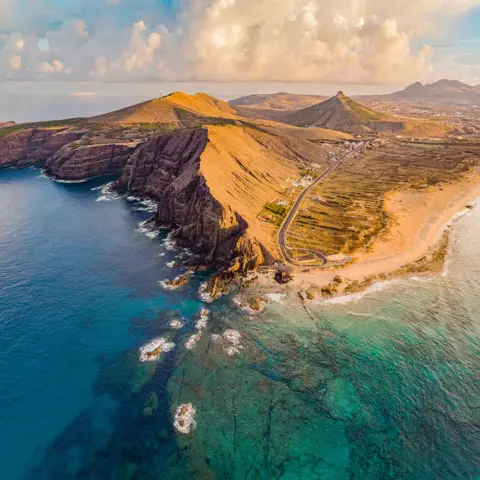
<point x="282" y="233"/>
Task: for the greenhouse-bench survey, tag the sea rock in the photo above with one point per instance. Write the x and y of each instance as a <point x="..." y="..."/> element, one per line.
<point x="216" y="287"/>
<point x="32" y="147"/>
<point x="185" y="418"/>
<point x="154" y="349"/>
<point x="176" y="324"/>
<point x="70" y="163"/>
<point x="256" y="303"/>
<point x="177" y="282"/>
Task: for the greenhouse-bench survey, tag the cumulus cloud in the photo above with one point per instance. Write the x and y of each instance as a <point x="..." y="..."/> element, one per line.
<point x="361" y="41"/>
<point x="15" y="62"/>
<point x="344" y="41"/>
<point x="138" y="58"/>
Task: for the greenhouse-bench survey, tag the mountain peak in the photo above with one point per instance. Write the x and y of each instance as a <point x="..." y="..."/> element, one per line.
<point x="338" y="113"/>
<point x="414" y="87"/>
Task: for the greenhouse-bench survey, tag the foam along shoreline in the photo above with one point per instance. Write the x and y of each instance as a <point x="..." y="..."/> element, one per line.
<point x="421" y="220"/>
<point x="44" y="174"/>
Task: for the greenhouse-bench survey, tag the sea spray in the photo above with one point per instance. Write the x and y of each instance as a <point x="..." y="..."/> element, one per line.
<point x="108" y="193"/>
<point x="185" y="418"/>
<point x="154" y="349"/>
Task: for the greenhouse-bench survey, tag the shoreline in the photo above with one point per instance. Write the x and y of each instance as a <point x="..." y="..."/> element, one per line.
<point x="415" y="246"/>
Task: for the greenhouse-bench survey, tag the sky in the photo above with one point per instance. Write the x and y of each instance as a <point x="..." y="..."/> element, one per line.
<point x="330" y="42"/>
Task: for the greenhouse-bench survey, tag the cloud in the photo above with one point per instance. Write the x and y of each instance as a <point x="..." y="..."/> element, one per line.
<point x="140" y="58"/>
<point x="329" y="41"/>
<point x="56" y="66"/>
<point x="359" y="41"/>
<point x="15" y="62"/>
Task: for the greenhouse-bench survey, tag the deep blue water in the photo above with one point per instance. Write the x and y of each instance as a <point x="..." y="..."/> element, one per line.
<point x="78" y="284"/>
<point x="386" y="386"/>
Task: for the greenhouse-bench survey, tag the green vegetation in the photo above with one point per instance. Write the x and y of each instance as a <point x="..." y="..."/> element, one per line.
<point x="276" y="209"/>
<point x="274" y="213"/>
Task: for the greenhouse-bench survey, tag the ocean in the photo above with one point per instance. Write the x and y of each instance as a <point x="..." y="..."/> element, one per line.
<point x="380" y="386"/>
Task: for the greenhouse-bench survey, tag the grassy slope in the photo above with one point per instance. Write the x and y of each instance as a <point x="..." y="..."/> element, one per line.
<point x="351" y="211"/>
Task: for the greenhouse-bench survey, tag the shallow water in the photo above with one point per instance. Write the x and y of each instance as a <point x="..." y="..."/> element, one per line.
<point x="386" y="387"/>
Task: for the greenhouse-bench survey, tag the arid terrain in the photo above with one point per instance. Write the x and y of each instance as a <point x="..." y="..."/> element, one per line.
<point x="316" y="184"/>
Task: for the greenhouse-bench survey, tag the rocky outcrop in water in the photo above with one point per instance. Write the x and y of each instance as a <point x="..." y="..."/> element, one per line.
<point x="31" y="147"/>
<point x="168" y="169"/>
<point x="71" y="163"/>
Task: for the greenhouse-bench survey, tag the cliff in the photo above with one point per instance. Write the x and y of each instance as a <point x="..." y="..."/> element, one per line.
<point x="168" y="169"/>
<point x="211" y="184"/>
<point x="70" y="163"/>
<point x="31" y="147"/>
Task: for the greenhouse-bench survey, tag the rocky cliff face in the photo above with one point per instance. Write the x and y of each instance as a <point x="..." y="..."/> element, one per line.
<point x="32" y="147"/>
<point x="168" y="168"/>
<point x="71" y="163"/>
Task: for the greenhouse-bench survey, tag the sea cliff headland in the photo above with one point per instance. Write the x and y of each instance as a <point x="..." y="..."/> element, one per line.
<point x="242" y="193"/>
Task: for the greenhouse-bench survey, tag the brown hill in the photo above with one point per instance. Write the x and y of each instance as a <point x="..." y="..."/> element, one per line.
<point x="6" y="124"/>
<point x="174" y="109"/>
<point x="346" y="115"/>
<point x="443" y="92"/>
<point x="278" y="101"/>
<point x="273" y="106"/>
<point x="338" y="113"/>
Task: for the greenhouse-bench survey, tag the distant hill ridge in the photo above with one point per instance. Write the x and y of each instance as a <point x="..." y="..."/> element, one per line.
<point x="442" y="92"/>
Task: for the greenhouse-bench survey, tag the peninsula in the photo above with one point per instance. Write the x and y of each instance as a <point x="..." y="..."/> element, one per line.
<point x="321" y="188"/>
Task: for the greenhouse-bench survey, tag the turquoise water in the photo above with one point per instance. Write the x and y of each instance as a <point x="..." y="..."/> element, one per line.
<point x="383" y="387"/>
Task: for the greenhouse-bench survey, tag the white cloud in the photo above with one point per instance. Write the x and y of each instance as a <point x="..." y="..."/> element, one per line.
<point x="334" y="41"/>
<point x="55" y="66"/>
<point x="81" y="27"/>
<point x="15" y="62"/>
<point x="360" y="41"/>
<point x="141" y="57"/>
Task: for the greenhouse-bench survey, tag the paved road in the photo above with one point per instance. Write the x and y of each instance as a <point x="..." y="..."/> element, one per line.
<point x="282" y="233"/>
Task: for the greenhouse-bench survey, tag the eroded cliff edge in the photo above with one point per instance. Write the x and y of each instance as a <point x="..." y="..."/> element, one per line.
<point x="210" y="182"/>
<point x="168" y="168"/>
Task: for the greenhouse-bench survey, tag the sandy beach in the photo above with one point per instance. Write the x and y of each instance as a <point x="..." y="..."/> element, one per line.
<point x="418" y="219"/>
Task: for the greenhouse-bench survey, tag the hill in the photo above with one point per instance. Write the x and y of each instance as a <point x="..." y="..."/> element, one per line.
<point x="338" y="113"/>
<point x="346" y="115"/>
<point x="443" y="92"/>
<point x="6" y="124"/>
<point x="273" y="106"/>
<point x="174" y="109"/>
<point x="278" y="101"/>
